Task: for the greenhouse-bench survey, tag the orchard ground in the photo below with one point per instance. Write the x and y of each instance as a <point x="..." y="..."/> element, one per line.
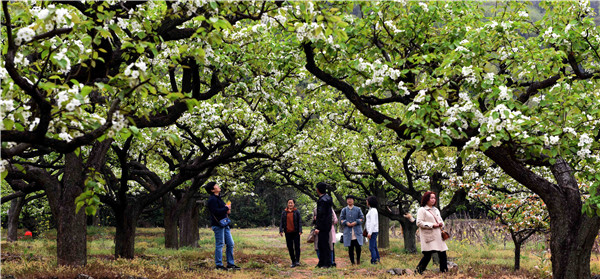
<point x="262" y="253"/>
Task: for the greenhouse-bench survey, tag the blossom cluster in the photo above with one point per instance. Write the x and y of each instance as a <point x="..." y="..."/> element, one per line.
<point x="585" y="143"/>
<point x="501" y="118"/>
<point x="24" y="35"/>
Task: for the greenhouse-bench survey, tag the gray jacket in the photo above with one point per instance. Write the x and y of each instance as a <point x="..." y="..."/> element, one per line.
<point x="349" y="216"/>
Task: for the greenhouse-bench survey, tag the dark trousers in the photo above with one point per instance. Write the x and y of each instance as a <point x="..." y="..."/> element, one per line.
<point x="293" y="244"/>
<point x="332" y="254"/>
<point x="354" y="246"/>
<point x="427" y="257"/>
<point x="324" y="249"/>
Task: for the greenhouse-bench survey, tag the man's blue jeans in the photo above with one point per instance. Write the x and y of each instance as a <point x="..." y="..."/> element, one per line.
<point x="373" y="247"/>
<point x="222" y="237"/>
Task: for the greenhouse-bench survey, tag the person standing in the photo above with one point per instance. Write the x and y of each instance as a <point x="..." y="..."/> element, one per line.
<point x="291" y="224"/>
<point x="323" y="225"/>
<point x="332" y="239"/>
<point x="352" y="219"/>
<point x="430" y="223"/>
<point x="219" y="210"/>
<point x="372" y="226"/>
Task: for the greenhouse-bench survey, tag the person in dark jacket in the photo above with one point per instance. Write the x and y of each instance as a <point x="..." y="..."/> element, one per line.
<point x="291" y="225"/>
<point x="217" y="211"/>
<point x="323" y="225"/>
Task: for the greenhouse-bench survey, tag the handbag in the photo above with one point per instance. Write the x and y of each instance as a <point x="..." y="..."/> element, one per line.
<point x="365" y="233"/>
<point x="445" y="235"/>
<point x="311" y="236"/>
<point x="223" y="222"/>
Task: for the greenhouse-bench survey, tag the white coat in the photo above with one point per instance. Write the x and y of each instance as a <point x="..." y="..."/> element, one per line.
<point x="431" y="238"/>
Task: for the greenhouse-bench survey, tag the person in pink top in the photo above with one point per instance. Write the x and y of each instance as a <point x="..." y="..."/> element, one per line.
<point x="332" y="239"/>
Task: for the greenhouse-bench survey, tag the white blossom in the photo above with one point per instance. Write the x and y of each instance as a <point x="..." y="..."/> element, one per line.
<point x="43" y="14"/>
<point x="24" y="35"/>
<point x="473" y="143"/>
<point x="554" y="140"/>
<point x="72" y="105"/>
<point x="3" y="73"/>
<point x="523" y="14"/>
<point x="504" y="93"/>
<point x="3" y="164"/>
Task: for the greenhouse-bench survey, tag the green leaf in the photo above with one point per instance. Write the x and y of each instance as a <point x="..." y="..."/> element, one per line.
<point x="8" y="124"/>
<point x="78" y="206"/>
<point x="90" y="210"/>
<point x="135" y="130"/>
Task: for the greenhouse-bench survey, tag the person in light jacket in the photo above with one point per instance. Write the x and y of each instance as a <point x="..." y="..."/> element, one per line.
<point x="430" y="223"/>
<point x="372" y="226"/>
<point x="291" y="225"/>
<point x="352" y="219"/>
<point x="332" y="239"/>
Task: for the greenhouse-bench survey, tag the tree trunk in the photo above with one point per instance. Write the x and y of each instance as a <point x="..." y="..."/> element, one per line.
<point x="517" y="253"/>
<point x="409" y="231"/>
<point x="126" y="221"/>
<point x="13" y="218"/>
<point x="572" y="233"/>
<point x="572" y="238"/>
<point x="188" y="225"/>
<point x="383" y="240"/>
<point x="170" y="221"/>
<point x="71" y="233"/>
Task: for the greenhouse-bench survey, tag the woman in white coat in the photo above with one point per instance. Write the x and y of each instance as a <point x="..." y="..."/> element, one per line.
<point x="372" y="226"/>
<point x="430" y="223"/>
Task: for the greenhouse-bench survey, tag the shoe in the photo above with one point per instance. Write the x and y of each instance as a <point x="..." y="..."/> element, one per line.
<point x="293" y="265"/>
<point x="220" y="267"/>
<point x="233" y="267"/>
<point x="333" y="265"/>
<point x="297" y="263"/>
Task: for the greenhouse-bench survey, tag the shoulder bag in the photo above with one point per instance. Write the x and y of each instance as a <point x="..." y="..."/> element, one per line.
<point x="445" y="235"/>
<point x="311" y="236"/>
<point x="223" y="222"/>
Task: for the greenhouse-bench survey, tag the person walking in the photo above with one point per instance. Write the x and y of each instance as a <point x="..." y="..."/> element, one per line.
<point x="352" y="219"/>
<point x="291" y="225"/>
<point x="323" y="225"/>
<point x="372" y="226"/>
<point x="218" y="210"/>
<point x="430" y="223"/>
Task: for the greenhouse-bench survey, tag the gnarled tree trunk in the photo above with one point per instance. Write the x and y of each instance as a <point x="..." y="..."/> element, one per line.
<point x="188" y="225"/>
<point x="572" y="232"/>
<point x="126" y="223"/>
<point x="409" y="232"/>
<point x="170" y="221"/>
<point x="71" y="232"/>
<point x="383" y="240"/>
<point x="16" y="205"/>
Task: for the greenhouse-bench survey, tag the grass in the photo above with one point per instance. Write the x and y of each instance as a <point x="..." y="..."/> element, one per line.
<point x="262" y="253"/>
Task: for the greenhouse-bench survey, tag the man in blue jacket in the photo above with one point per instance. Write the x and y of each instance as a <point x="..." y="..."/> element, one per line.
<point x="323" y="224"/>
<point x="217" y="211"/>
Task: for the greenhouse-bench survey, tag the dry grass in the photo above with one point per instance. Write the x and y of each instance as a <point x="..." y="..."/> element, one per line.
<point x="262" y="254"/>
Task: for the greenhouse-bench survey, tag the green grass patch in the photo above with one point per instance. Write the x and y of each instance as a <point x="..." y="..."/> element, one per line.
<point x="262" y="253"/>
